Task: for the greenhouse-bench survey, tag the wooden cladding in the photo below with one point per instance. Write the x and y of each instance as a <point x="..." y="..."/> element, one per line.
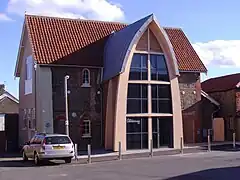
<point x="153" y="42"/>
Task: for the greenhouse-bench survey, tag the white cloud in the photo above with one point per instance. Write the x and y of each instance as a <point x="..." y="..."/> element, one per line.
<point x="4" y="17"/>
<point x="222" y="53"/>
<point x="90" y="9"/>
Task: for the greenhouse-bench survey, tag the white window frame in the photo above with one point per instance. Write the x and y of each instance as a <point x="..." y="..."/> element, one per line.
<point x="25" y="123"/>
<point x="86" y="135"/>
<point x="84" y="83"/>
<point x="29" y="68"/>
<point x="33" y="118"/>
<point x="2" y="122"/>
<point x="28" y="75"/>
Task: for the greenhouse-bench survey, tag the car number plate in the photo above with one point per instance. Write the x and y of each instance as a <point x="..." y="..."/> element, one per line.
<point x="58" y="147"/>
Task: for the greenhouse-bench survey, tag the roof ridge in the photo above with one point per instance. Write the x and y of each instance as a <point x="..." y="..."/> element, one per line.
<point x="223" y="76"/>
<point x="90" y="20"/>
<point x="174" y="28"/>
<point x="73" y="19"/>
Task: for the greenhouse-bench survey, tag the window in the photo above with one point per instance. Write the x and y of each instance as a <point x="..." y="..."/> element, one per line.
<point x="161" y="99"/>
<point x="57" y="140"/>
<point x="85" y="78"/>
<point x="29" y="72"/>
<point x="137" y="133"/>
<point x="159" y="70"/>
<point x="25" y="120"/>
<point x="29" y="68"/>
<point x="38" y="139"/>
<point x="138" y="70"/>
<point x="33" y="119"/>
<point x="86" y="128"/>
<point x="29" y="118"/>
<point x="32" y="140"/>
<point x="137" y="100"/>
<point x="2" y="122"/>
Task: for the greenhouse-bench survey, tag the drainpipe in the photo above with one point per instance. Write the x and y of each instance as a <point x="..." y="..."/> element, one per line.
<point x="35" y="84"/>
<point x="101" y="99"/>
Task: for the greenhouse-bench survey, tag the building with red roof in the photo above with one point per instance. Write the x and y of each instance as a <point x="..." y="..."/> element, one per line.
<point x="127" y="83"/>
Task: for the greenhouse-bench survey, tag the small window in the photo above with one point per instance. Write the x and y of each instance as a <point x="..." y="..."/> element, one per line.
<point x="86" y="128"/>
<point x="29" y="74"/>
<point x="85" y="78"/>
<point x="33" y="118"/>
<point x="25" y="123"/>
<point x="29" y="68"/>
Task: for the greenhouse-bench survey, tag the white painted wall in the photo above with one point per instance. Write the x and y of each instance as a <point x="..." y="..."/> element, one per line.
<point x="44" y="108"/>
<point x="2" y="122"/>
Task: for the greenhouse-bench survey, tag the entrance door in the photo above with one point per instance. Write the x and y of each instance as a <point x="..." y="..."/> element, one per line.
<point x="162" y="129"/>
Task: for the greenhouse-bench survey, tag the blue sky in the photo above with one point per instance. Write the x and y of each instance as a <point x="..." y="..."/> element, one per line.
<point x="211" y="26"/>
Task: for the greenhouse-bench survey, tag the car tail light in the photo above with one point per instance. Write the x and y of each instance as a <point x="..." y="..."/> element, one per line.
<point x="43" y="144"/>
<point x="44" y="141"/>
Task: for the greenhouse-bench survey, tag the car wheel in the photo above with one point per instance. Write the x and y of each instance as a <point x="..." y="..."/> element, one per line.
<point x="68" y="160"/>
<point x="25" y="158"/>
<point x="36" y="159"/>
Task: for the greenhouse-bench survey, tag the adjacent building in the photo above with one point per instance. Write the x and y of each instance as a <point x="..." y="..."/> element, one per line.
<point x="9" y="107"/>
<point x="225" y="90"/>
<point x="128" y="83"/>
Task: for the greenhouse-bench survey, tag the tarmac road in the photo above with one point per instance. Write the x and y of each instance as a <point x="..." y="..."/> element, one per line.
<point x="208" y="165"/>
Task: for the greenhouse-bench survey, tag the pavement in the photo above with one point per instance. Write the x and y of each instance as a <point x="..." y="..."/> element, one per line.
<point x="217" y="164"/>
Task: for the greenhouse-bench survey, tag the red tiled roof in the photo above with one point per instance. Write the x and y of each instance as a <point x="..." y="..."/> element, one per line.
<point x="187" y="58"/>
<point x="55" y="39"/>
<point x="222" y="83"/>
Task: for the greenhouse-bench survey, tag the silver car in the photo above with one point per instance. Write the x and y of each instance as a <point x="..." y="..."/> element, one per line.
<point x="48" y="147"/>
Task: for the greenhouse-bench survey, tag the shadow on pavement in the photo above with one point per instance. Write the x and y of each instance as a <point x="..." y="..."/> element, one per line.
<point x="10" y="155"/>
<point x="225" y="147"/>
<point x="20" y="163"/>
<point x="228" y="173"/>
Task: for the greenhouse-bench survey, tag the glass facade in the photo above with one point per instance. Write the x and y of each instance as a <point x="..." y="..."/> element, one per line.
<point x="139" y="70"/>
<point x="162" y="132"/>
<point x="158" y="68"/>
<point x="161" y="98"/>
<point x="137" y="102"/>
<point x="137" y="133"/>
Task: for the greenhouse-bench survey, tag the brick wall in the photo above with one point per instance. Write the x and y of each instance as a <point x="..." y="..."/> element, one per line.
<point x="190" y="89"/>
<point x="227" y="102"/>
<point x="190" y="92"/>
<point x="84" y="102"/>
<point x="207" y="109"/>
<point x="227" y="110"/>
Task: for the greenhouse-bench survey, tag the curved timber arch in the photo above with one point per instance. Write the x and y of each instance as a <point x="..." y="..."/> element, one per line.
<point x="118" y="87"/>
<point x="161" y="36"/>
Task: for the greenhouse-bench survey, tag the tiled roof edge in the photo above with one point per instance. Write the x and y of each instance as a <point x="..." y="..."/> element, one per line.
<point x="91" y="20"/>
<point x="73" y="19"/>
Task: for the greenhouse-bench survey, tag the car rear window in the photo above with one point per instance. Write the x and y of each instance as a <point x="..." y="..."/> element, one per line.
<point x="57" y="140"/>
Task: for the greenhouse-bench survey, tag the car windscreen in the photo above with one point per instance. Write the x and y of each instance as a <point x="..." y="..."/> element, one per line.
<point x="57" y="140"/>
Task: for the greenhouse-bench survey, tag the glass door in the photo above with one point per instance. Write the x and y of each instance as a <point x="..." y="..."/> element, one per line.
<point x="162" y="132"/>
